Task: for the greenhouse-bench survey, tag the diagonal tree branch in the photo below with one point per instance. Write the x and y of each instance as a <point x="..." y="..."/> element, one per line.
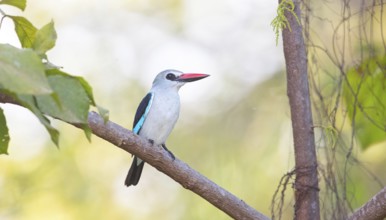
<point x="374" y="209"/>
<point x="176" y="169"/>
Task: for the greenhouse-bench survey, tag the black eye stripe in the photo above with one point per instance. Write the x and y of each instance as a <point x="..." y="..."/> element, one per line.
<point x="171" y="76"/>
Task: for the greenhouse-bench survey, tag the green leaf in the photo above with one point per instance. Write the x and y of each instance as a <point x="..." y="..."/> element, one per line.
<point x="87" y="131"/>
<point x="21" y="71"/>
<point x="21" y="4"/>
<point x="4" y="135"/>
<point x="73" y="100"/>
<point x="25" y="31"/>
<point x="104" y="113"/>
<point x="87" y="88"/>
<point x="45" y="39"/>
<point x="364" y="94"/>
<point x="29" y="102"/>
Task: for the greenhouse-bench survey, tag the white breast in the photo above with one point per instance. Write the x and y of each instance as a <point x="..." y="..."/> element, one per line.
<point x="162" y="116"/>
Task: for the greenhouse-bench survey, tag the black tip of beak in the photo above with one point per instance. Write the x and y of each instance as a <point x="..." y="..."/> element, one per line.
<point x="191" y="77"/>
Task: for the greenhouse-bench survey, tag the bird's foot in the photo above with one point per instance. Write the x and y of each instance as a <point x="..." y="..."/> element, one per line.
<point x="169" y="152"/>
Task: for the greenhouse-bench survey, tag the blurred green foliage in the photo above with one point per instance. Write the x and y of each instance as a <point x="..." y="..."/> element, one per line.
<point x="364" y="95"/>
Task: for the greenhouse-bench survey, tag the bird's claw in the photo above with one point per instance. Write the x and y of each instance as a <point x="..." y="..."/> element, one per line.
<point x="165" y="148"/>
<point x="169" y="152"/>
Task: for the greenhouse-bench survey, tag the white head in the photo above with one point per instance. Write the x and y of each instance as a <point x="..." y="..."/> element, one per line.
<point x="175" y="79"/>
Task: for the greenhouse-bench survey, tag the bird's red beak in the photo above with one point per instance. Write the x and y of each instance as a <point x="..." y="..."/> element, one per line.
<point x="190" y="77"/>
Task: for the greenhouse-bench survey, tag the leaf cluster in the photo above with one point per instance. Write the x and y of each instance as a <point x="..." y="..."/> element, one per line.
<point x="28" y="77"/>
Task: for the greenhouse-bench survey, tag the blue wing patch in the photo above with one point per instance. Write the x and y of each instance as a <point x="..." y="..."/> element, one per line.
<point x="142" y="111"/>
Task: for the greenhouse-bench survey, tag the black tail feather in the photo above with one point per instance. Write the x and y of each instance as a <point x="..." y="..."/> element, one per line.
<point x="134" y="173"/>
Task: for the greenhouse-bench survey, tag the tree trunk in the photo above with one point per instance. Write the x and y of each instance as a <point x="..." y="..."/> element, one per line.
<point x="306" y="182"/>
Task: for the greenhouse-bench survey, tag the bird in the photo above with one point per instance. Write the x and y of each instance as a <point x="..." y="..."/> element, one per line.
<point x="157" y="114"/>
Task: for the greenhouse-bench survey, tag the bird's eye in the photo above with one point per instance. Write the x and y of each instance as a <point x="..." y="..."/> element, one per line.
<point x="170" y="76"/>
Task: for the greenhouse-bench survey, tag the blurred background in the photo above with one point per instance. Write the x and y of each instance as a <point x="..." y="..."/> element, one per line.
<point x="234" y="126"/>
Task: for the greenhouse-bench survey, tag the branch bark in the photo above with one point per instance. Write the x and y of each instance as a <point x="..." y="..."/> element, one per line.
<point x="374" y="209"/>
<point x="176" y="169"/>
<point x="306" y="182"/>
